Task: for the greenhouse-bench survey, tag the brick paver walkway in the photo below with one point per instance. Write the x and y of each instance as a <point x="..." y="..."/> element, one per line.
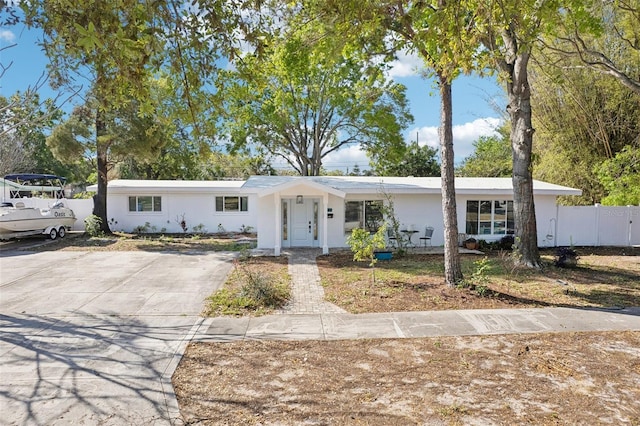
<point x="307" y="292"/>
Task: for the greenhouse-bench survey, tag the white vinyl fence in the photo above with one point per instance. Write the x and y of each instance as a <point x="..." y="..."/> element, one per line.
<point x="597" y="226"/>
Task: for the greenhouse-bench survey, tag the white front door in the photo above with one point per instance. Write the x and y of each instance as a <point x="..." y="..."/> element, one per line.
<point x="303" y="223"/>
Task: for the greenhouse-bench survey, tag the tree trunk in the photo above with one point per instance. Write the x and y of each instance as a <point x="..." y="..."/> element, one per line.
<point x="519" y="108"/>
<point x="100" y="199"/>
<point x="452" y="268"/>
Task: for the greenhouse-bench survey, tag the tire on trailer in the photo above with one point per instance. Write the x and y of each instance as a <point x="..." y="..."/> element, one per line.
<point x="53" y="234"/>
<point x="62" y="231"/>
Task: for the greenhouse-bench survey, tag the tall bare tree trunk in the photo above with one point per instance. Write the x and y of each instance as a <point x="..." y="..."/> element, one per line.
<point x="100" y="199"/>
<point x="519" y="109"/>
<point x="452" y="268"/>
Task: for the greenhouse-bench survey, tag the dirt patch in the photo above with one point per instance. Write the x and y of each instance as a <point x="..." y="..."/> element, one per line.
<point x="607" y="277"/>
<point x="572" y="378"/>
<point x="151" y="242"/>
<point x="256" y="286"/>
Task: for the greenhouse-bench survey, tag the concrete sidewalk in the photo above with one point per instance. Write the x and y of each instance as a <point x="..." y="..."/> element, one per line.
<point x="417" y="324"/>
<point x="308" y="316"/>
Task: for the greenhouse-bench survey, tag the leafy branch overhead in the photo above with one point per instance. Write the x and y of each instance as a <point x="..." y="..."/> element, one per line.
<point x="302" y="99"/>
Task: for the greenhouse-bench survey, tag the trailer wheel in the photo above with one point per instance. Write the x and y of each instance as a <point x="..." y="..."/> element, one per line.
<point x="53" y="234"/>
<point x="62" y="232"/>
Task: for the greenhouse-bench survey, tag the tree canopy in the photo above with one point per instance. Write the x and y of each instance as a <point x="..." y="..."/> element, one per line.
<point x="302" y="99"/>
<point x="416" y="160"/>
<point x="620" y="175"/>
<point x="491" y="157"/>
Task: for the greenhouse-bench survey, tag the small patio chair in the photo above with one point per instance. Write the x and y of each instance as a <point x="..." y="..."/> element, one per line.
<point x="428" y="233"/>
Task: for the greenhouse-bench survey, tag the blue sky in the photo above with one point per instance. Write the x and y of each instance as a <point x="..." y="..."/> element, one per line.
<point x="473" y="96"/>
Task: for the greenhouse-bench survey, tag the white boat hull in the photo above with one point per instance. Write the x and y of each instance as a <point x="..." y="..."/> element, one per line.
<point x="21" y="219"/>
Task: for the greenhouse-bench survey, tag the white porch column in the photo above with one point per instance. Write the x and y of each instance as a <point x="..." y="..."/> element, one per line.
<point x="325" y="223"/>
<point x="278" y="223"/>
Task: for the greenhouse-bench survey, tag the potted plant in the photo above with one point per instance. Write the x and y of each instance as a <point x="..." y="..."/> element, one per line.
<point x="383" y="254"/>
<point x="471" y="243"/>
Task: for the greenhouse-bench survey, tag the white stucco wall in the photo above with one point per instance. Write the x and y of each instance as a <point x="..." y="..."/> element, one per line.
<point x="198" y="208"/>
<point x="546" y="218"/>
<point x="419" y="211"/>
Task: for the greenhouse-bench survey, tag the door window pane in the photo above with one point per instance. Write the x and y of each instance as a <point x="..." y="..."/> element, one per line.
<point x="315" y="221"/>
<point x="285" y="220"/>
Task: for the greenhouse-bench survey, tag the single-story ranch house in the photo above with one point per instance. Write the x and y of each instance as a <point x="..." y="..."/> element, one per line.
<point x="296" y="211"/>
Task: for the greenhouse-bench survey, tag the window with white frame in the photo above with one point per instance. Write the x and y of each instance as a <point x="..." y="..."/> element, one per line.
<point x="363" y="214"/>
<point x="487" y="217"/>
<point x="145" y="203"/>
<point x="232" y="204"/>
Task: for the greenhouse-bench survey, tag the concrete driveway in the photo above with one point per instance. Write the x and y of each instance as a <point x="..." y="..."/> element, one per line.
<point x="94" y="337"/>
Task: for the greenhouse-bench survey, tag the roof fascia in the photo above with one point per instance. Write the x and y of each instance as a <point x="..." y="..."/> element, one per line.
<point x="300" y="182"/>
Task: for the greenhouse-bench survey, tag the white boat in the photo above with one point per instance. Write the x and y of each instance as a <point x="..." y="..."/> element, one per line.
<point x="17" y="220"/>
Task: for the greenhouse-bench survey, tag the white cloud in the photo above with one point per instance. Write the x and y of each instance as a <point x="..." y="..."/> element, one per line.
<point x="8" y="36"/>
<point x="463" y="137"/>
<point x="346" y="158"/>
<point x="407" y="65"/>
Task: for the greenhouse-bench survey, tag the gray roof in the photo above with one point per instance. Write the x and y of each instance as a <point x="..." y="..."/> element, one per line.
<point x="339" y="185"/>
<point x="397" y="185"/>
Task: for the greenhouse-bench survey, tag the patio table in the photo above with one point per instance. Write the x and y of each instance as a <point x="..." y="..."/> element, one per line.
<point x="409" y="233"/>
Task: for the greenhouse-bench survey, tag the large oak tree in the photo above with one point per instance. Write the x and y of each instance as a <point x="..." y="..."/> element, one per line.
<point x="301" y="99"/>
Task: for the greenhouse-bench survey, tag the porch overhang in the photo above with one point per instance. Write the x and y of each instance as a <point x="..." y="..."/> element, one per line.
<point x="301" y="185"/>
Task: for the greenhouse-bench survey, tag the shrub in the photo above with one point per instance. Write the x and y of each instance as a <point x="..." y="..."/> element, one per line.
<point x="246" y="229"/>
<point x="142" y="229"/>
<point x="262" y="290"/>
<point x="249" y="290"/>
<point x="566" y="257"/>
<point x="506" y="242"/>
<point x="199" y="229"/>
<point x="92" y="225"/>
<point x="363" y="245"/>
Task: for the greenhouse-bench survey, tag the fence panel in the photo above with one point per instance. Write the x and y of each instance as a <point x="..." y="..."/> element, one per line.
<point x="634" y="225"/>
<point x="577" y="226"/>
<point x="598" y="225"/>
<point x="613" y="226"/>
